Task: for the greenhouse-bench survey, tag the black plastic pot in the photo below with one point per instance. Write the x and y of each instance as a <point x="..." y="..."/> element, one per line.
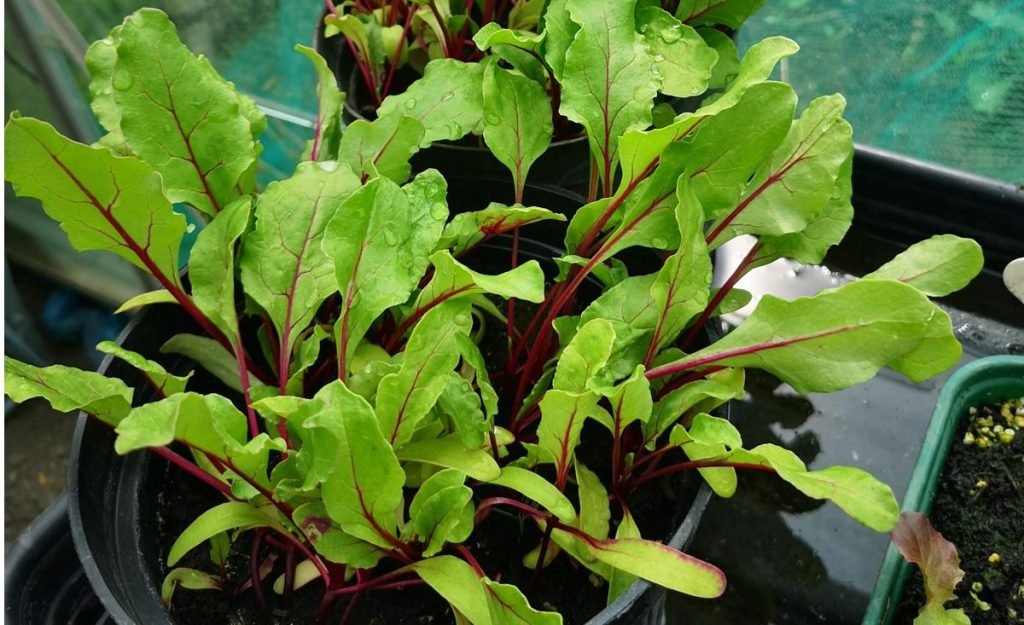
<point x="114" y="500"/>
<point x="43" y="579"/>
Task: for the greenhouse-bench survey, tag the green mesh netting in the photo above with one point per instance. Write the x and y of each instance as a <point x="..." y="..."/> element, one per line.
<point x="942" y="81"/>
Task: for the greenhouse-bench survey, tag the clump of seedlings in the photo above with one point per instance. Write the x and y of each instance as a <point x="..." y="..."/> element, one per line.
<point x="996" y="424"/>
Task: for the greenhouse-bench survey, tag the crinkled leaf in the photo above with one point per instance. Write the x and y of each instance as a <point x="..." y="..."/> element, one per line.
<point x="100" y="59"/>
<point x="179" y="115"/>
<point x="467" y="230"/>
<point x="210" y="355"/>
<point x="492" y="34"/>
<point x="230" y="515"/>
<point x="364" y="492"/>
<point x="379" y="243"/>
<point x="517" y="121"/>
<point x="536" y="488"/>
<point x="827" y="342"/>
<point x="799" y="179"/>
<point x="102" y="201"/>
<point x="447" y="100"/>
<point x="559" y="32"/>
<point x="937" y="266"/>
<point x="212" y="266"/>
<point x="165" y="383"/>
<point x="680" y="54"/>
<point x="283" y="267"/>
<point x="330" y="103"/>
<point x="451" y="452"/>
<point x="382" y="146"/>
<point x="462" y="404"/>
<point x="68" y="389"/>
<point x="939" y="562"/>
<point x="662" y="565"/>
<point x="404" y="398"/>
<point x="609" y="79"/>
<point x="437" y="512"/>
<point x="208" y="423"/>
<point x="471" y="357"/>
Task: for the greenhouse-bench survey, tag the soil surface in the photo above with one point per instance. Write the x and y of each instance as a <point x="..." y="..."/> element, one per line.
<point x="979" y="507"/>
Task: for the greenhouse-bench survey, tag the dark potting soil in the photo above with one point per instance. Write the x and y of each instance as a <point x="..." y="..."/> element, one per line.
<point x="981" y="520"/>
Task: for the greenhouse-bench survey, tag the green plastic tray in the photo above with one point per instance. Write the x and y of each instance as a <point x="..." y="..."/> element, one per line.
<point x="994" y="378"/>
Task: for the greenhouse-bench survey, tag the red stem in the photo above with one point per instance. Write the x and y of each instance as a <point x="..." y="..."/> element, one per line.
<point x="192" y="469"/>
<point x="699" y="464"/>
<point x="398" y="53"/>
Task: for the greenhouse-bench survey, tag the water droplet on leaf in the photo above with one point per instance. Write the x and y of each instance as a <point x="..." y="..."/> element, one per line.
<point x="659" y="58"/>
<point x="493" y="119"/>
<point x="410" y="103"/>
<point x="439" y="211"/>
<point x="448" y="95"/>
<point x="389" y="236"/>
<point x="659" y="242"/>
<point x="671" y="35"/>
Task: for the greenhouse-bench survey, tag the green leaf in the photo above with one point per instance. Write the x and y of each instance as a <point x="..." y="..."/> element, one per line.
<point x="404" y="398"/>
<point x="467" y="230"/>
<point x="939" y="563"/>
<point x="160" y="296"/>
<point x="662" y="565"/>
<point x="208" y="423"/>
<point x="382" y="146"/>
<point x="447" y="100"/>
<point x="462" y="405"/>
<point x="559" y="32"/>
<point x="102" y="201"/>
<point x="68" y="389"/>
<point x="584" y="356"/>
<point x="757" y="66"/>
<point x="210" y="355"/>
<point x="729" y="13"/>
<point x="823" y="343"/>
<point x="283" y="267"/>
<point x="525" y="14"/>
<point x="799" y="180"/>
<point x="938" y="350"/>
<point x="562" y="417"/>
<point x="458" y="583"/>
<point x="250" y="463"/>
<point x="937" y="266"/>
<point x="680" y="54"/>
<point x="629" y="307"/>
<point x="331" y="541"/>
<point x="517" y="121"/>
<point x="363" y="494"/>
<point x="619" y="581"/>
<point x="379" y="243"/>
<point x="306" y="355"/>
<point x="697" y="396"/>
<point x="437" y="514"/>
<point x="609" y="79"/>
<point x="710" y="437"/>
<point x="453" y="280"/>
<point x="230" y="515"/>
<point x="472" y="358"/>
<point x="179" y="115"/>
<point x="854" y="490"/>
<point x="681" y="289"/>
<point x="492" y="34"/>
<point x="728" y="63"/>
<point x="630" y="400"/>
<point x="100" y="59"/>
<point x="191" y="579"/>
<point x="594" y="510"/>
<point x="509" y="606"/>
<point x="538" y="489"/>
<point x="330" y="103"/>
<point x="212" y="266"/>
<point x="165" y="383"/>
<point x="451" y="452"/>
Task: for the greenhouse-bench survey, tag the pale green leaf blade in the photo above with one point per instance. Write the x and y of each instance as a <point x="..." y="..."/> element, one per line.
<point x="584" y="356"/>
<point x="680" y="54"/>
<point x="509" y="606"/>
<point x="230" y="515"/>
<point x="697" y="396"/>
<point x="208" y="423"/>
<point x="330" y="103"/>
<point x="435" y="513"/>
<point x="102" y="201"/>
<point x="192" y="579"/>
<point x="517" y="121"/>
<point x="631" y="310"/>
<point x="450" y="452"/>
<point x="533" y="486"/>
<point x="160" y="296"/>
<point x="179" y="115"/>
<point x="842" y="337"/>
<point x="662" y="565"/>
<point x="619" y="581"/>
<point x="283" y="267"/>
<point x="467" y="230"/>
<point x="210" y="355"/>
<point x="462" y="404"/>
<point x="382" y="146"/>
<point x="595" y="512"/>
<point x="563" y="414"/>
<point x="937" y="266"/>
<point x="364" y="492"/>
<point x="331" y="541"/>
<point x="458" y="583"/>
<point x="559" y="32"/>
<point x="609" y="79"/>
<point x="447" y="100"/>
<point x="212" y="266"/>
<point x="165" y="383"/>
<point x="404" y="398"/>
<point x="68" y="389"/>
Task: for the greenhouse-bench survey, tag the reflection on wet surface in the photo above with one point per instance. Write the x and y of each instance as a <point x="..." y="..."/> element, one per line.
<point x="790" y="559"/>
